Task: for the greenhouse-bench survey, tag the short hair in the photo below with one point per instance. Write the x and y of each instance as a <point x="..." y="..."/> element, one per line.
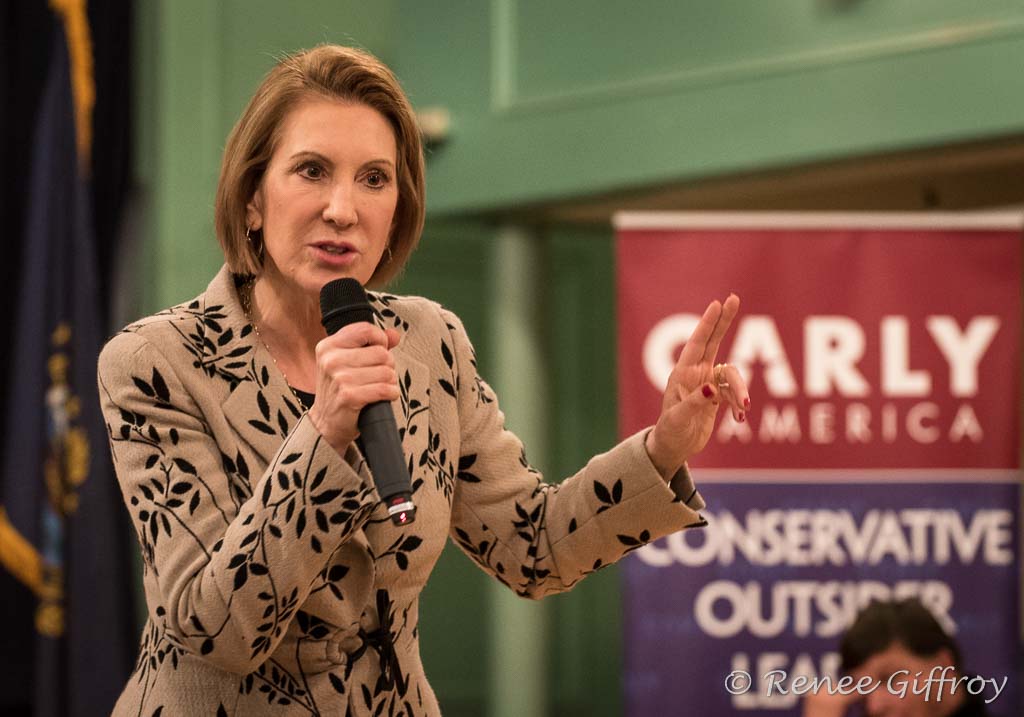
<point x="335" y="72"/>
<point x="906" y="622"/>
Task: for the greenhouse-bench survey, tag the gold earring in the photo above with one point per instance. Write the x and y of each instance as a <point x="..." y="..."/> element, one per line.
<point x="255" y="244"/>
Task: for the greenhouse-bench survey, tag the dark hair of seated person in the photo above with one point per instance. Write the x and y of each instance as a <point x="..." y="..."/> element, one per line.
<point x="881" y="624"/>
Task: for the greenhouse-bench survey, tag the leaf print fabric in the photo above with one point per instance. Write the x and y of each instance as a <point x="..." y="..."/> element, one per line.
<point x="275" y="582"/>
<point x="540" y="538"/>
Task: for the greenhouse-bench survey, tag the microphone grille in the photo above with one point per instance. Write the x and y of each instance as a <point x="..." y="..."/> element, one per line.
<point x="342" y="302"/>
<point x="341" y="292"/>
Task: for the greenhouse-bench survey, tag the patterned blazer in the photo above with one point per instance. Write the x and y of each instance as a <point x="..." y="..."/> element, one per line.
<point x="275" y="582"/>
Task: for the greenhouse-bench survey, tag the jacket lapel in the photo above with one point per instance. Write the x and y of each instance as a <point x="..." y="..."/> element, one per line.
<point x="262" y="408"/>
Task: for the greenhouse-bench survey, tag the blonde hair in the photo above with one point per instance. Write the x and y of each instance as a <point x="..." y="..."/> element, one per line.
<point x="331" y="71"/>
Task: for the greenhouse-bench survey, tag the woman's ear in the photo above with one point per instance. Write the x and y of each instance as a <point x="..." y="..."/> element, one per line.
<point x="254" y="211"/>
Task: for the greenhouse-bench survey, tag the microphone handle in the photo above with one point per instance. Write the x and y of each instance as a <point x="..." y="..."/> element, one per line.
<point x="378" y="436"/>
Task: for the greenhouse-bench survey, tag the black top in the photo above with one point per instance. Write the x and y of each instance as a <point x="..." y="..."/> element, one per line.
<point x="304" y="397"/>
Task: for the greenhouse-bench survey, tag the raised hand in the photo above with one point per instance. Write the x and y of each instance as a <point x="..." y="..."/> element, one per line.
<point x="696" y="387"/>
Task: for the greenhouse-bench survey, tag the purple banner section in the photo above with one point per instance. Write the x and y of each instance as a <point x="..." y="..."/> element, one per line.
<point x="783" y="568"/>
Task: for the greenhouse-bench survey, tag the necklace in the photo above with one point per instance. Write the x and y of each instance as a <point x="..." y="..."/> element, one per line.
<point x="245" y="295"/>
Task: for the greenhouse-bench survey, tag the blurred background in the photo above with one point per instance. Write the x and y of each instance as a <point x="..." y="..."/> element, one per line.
<point x="542" y="119"/>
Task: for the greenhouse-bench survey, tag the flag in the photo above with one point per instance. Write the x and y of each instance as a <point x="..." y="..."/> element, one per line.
<point x="63" y="536"/>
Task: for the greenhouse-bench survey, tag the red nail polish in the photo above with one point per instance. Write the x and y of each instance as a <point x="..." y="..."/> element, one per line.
<point x="706" y="391"/>
<point x="746" y="403"/>
<point x="742" y="417"/>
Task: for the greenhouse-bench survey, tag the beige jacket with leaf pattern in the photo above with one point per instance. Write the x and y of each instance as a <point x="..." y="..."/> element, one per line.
<point x="275" y="583"/>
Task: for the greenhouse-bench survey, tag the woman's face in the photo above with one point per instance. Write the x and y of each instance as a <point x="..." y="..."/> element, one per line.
<point x="327" y="200"/>
<point x="901" y="677"/>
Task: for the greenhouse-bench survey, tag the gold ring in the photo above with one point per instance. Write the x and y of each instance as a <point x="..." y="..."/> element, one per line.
<point x="719" y="369"/>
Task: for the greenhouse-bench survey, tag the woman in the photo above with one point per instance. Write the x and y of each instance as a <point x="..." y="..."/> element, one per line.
<point x="275" y="582"/>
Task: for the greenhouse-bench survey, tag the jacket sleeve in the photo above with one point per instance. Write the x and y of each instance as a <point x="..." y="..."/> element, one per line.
<point x="540" y="538"/>
<point x="232" y="555"/>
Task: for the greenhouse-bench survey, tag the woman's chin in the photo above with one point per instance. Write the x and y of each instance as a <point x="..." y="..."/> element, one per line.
<point x="326" y="274"/>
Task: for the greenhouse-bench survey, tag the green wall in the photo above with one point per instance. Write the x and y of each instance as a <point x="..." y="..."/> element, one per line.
<point x="554" y="99"/>
<point x="551" y="101"/>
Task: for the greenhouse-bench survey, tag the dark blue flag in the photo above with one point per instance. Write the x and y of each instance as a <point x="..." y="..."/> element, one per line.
<point x="62" y="532"/>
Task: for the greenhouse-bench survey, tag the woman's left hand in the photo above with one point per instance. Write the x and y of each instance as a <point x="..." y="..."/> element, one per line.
<point x="694" y="392"/>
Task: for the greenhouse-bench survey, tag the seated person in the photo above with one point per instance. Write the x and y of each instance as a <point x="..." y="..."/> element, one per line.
<point x="890" y="637"/>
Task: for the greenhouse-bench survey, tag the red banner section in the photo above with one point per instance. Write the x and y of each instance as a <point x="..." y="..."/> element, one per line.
<point x="879" y="460"/>
<point x="882" y="345"/>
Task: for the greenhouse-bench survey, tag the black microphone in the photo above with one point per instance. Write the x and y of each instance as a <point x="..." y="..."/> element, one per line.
<point x="344" y="302"/>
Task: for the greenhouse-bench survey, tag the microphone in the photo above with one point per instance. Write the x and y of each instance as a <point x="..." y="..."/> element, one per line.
<point x="344" y="302"/>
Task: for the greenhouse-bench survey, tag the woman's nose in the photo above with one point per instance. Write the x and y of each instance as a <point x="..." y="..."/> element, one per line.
<point x="341" y="208"/>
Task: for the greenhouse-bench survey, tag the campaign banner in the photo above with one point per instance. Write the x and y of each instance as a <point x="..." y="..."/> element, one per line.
<point x="879" y="458"/>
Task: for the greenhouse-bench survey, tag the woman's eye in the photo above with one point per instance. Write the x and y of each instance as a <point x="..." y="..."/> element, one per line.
<point x="311" y="171"/>
<point x="376" y="179"/>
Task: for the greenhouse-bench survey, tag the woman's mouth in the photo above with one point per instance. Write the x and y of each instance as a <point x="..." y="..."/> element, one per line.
<point x="335" y="254"/>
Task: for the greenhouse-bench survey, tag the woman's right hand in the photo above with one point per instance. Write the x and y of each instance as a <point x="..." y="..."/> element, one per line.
<point x="354" y="367"/>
